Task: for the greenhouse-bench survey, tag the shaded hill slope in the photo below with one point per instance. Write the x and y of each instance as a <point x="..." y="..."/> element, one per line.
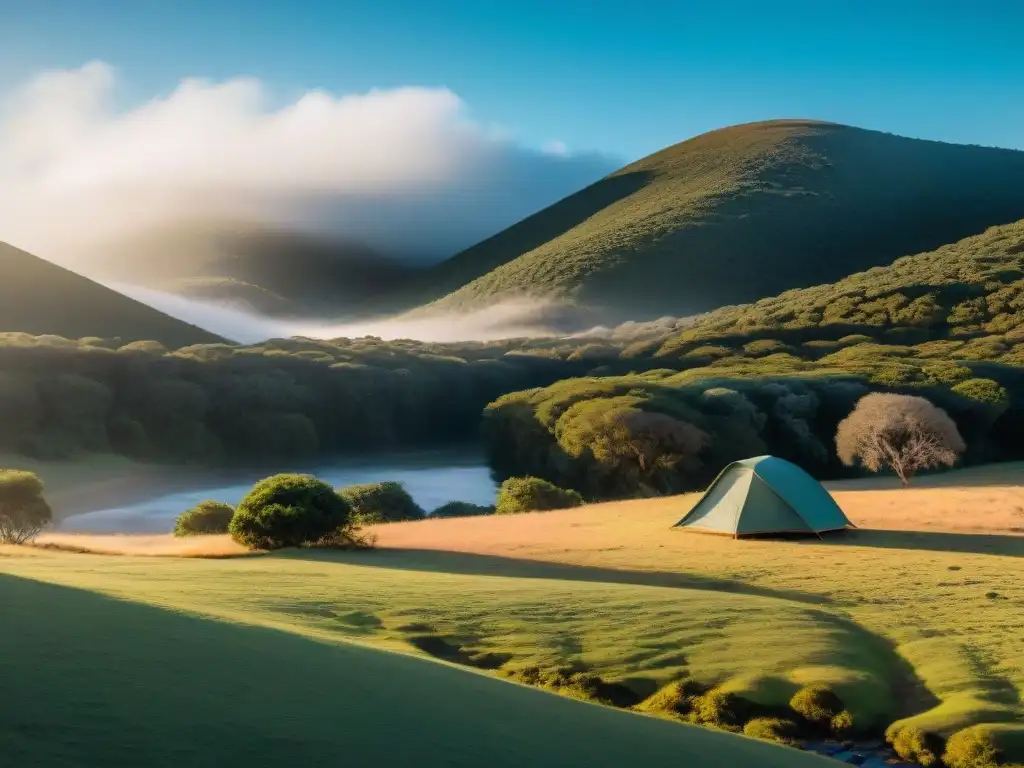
<point x="966" y="299"/>
<point x="274" y="271"/>
<point x="737" y="214"/>
<point x="41" y="298"/>
<point x="197" y="694"/>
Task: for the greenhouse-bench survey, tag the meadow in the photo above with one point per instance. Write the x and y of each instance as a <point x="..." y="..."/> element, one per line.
<point x="924" y="625"/>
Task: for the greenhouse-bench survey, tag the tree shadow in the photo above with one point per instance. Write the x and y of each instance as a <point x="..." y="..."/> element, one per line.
<point x="471" y="564"/>
<point x="931" y="541"/>
<point x="1008" y="474"/>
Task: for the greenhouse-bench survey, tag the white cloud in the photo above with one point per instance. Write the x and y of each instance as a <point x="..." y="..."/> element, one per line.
<point x="555" y="148"/>
<point x="512" y="319"/>
<point x="406" y="169"/>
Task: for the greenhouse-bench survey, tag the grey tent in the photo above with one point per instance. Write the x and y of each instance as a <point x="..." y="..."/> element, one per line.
<point x="764" y="495"/>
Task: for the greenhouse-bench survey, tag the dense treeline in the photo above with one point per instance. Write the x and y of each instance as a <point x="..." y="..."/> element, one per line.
<point x="948" y="325"/>
<point x="649" y="434"/>
<point x="283" y="399"/>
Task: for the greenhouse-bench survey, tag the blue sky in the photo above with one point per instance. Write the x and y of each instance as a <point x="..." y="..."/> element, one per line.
<point x="624" y="78"/>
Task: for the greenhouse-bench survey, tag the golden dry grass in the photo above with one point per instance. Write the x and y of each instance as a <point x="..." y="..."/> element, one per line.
<point x="158" y="545"/>
<point x="934" y="573"/>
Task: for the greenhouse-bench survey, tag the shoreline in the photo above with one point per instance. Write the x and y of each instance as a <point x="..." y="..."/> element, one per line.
<point x="101" y="482"/>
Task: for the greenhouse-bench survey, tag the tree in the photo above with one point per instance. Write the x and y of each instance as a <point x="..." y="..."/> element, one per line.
<point x="289" y="511"/>
<point x="904" y="433"/>
<point x="531" y="494"/>
<point x="206" y="517"/>
<point x="642" y="449"/>
<point x="24" y="512"/>
<point x="386" y="502"/>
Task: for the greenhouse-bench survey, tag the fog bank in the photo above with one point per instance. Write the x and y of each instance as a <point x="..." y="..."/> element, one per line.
<point x="408" y="171"/>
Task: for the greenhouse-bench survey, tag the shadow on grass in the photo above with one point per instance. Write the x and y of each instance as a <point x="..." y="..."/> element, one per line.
<point x="1005" y="474"/>
<point x="931" y="541"/>
<point x="467" y="563"/>
<point x="89" y="680"/>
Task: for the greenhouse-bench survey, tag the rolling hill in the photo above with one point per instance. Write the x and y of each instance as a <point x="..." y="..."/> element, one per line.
<point x="41" y="298"/>
<point x="735" y="215"/>
<point x="170" y="685"/>
<point x="271" y="270"/>
<point x="964" y="300"/>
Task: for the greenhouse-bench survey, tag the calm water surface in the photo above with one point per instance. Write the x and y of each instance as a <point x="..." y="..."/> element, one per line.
<point x="432" y="478"/>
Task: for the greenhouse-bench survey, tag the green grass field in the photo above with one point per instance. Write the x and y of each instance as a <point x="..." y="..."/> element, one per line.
<point x="919" y="625"/>
<point x="95" y="681"/>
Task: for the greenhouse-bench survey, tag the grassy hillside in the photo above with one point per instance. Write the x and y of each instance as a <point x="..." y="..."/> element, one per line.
<point x="919" y="625"/>
<point x="275" y="271"/>
<point x="949" y="604"/>
<point x="737" y="214"/>
<point x="966" y="298"/>
<point x="96" y="681"/>
<point x="40" y="298"/>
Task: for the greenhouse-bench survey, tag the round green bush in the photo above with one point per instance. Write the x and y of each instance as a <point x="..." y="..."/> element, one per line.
<point x="911" y="743"/>
<point x="972" y="748"/>
<point x="843" y="724"/>
<point x="531" y="494"/>
<point x="817" y="704"/>
<point x="772" y="729"/>
<point x="386" y="502"/>
<point x="461" y="509"/>
<point x="675" y="698"/>
<point x="206" y="517"/>
<point x="288" y="511"/>
<point x="720" y="709"/>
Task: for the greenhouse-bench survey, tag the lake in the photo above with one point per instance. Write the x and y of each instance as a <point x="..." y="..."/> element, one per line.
<point x="431" y="478"/>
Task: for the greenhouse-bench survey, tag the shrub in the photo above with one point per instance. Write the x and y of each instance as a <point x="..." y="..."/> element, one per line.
<point x="720" y="709"/>
<point x="911" y="743"/>
<point x="772" y="729"/>
<point x="531" y="494"/>
<point x="843" y="724"/>
<point x="386" y="502"/>
<point x="206" y="517"/>
<point x="901" y="432"/>
<point x="986" y="392"/>
<point x="972" y="747"/>
<point x="461" y="509"/>
<point x="24" y="512"/>
<point x="289" y="511"/>
<point x="817" y="704"/>
<point x="675" y="698"/>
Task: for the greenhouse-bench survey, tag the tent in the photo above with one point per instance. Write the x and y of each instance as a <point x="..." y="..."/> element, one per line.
<point x="764" y="495"/>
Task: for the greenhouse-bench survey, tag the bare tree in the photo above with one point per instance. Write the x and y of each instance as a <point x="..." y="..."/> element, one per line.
<point x="904" y="433"/>
<point x="24" y="514"/>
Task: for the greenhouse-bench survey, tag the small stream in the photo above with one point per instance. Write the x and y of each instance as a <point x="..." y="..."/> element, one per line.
<point x="867" y="754"/>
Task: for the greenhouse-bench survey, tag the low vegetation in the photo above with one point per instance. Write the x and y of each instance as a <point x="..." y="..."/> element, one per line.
<point x="531" y="494"/>
<point x="385" y="502"/>
<point x="24" y="513"/>
<point x="461" y="509"/>
<point x="205" y="518"/>
<point x="291" y="511"/>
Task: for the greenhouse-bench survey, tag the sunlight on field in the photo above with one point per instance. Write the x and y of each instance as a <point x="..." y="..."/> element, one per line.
<point x="919" y="612"/>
